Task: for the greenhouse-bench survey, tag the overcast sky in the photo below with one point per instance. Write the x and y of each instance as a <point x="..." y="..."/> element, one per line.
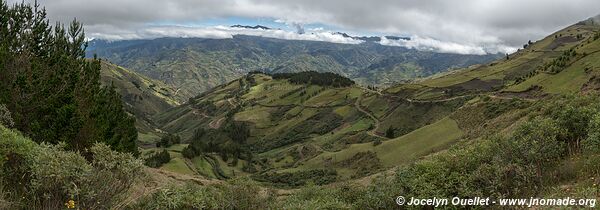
<point x="460" y="26"/>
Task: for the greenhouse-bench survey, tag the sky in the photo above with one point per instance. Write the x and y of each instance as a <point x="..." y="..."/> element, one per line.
<point x="453" y="26"/>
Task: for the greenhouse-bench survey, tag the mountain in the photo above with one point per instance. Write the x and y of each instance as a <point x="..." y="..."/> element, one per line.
<point x="194" y="65"/>
<point x="562" y="63"/>
<point x="372" y="38"/>
<point x="301" y="125"/>
<point x="142" y="97"/>
<point x="288" y="129"/>
<point x="251" y="27"/>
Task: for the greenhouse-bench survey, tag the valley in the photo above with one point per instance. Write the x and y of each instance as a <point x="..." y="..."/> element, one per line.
<point x="195" y="65"/>
<point x="300" y="128"/>
<point x="218" y="117"/>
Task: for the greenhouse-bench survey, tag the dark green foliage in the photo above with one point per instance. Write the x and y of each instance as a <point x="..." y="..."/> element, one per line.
<point x="316" y="78"/>
<point x="158" y="159"/>
<point x="45" y="176"/>
<point x="494" y="109"/>
<point x="321" y="123"/>
<point x="499" y="168"/>
<point x="300" y="178"/>
<point x="525" y="163"/>
<point x="558" y="64"/>
<point x="249" y="167"/>
<point x="574" y="115"/>
<point x="513" y="166"/>
<point x="236" y="194"/>
<point x="52" y="91"/>
<point x="363" y="164"/>
<point x="552" y="67"/>
<point x="206" y="106"/>
<point x="189" y="152"/>
<point x="227" y="141"/>
<point x="389" y="133"/>
<point x="168" y="140"/>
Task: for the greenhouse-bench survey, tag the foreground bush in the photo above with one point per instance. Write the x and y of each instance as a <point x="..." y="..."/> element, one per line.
<point x="47" y="176"/>
<point x="236" y="194"/>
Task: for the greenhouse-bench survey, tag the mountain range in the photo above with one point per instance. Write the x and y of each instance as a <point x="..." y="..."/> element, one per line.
<point x="194" y="65"/>
<point x="295" y="127"/>
<point x="261" y="123"/>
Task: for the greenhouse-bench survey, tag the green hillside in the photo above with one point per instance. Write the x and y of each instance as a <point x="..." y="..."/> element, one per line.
<point x="563" y="62"/>
<point x="303" y="127"/>
<point x="300" y="129"/>
<point x="142" y="97"/>
<point x="194" y="65"/>
<point x="82" y="133"/>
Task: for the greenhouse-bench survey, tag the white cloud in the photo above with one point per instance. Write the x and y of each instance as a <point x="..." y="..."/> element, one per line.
<point x="429" y="44"/>
<point x="459" y="25"/>
<point x="224" y="32"/>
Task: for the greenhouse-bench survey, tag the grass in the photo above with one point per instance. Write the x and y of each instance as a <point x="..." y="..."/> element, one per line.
<point x="177" y="164"/>
<point x="177" y="147"/>
<point x="148" y="138"/>
<point x="522" y="61"/>
<point x="258" y="115"/>
<point x="569" y="80"/>
<point x="401" y="150"/>
<point x="203" y="167"/>
<point x="378" y="106"/>
<point x="344" y="111"/>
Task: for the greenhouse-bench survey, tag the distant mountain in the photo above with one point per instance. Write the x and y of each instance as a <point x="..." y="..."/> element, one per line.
<point x="251" y="27"/>
<point x="371" y="38"/>
<point x="194" y="65"/>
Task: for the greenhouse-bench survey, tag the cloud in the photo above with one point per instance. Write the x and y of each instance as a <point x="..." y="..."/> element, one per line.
<point x="429" y="44"/>
<point x="456" y="24"/>
<point x="224" y="32"/>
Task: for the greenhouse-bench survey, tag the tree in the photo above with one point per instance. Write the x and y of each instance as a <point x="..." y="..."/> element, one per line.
<point x="158" y="159"/>
<point x="390" y="132"/>
<point x="168" y="140"/>
<point x="52" y="91"/>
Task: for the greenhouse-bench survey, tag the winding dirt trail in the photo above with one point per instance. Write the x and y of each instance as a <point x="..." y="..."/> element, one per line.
<point x="215" y="124"/>
<point x="377" y="122"/>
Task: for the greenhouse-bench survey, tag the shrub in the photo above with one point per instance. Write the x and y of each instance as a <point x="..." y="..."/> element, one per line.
<point x="313" y="197"/>
<point x="168" y="140"/>
<point x="299" y="178"/>
<point x="189" y="196"/>
<point x="158" y="159"/>
<point x="316" y="78"/>
<point x="236" y="194"/>
<point x="390" y="132"/>
<point x="5" y="117"/>
<point x="377" y="142"/>
<point x="46" y="176"/>
<point x="591" y="147"/>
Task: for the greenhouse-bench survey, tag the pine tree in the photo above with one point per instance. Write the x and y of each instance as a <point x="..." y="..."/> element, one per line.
<point x="52" y="91"/>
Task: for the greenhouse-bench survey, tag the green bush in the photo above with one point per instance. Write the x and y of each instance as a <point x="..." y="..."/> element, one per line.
<point x="168" y="140"/>
<point x="236" y="194"/>
<point x="46" y="176"/>
<point x="158" y="159"/>
<point x="298" y="178"/>
<point x="313" y="197"/>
